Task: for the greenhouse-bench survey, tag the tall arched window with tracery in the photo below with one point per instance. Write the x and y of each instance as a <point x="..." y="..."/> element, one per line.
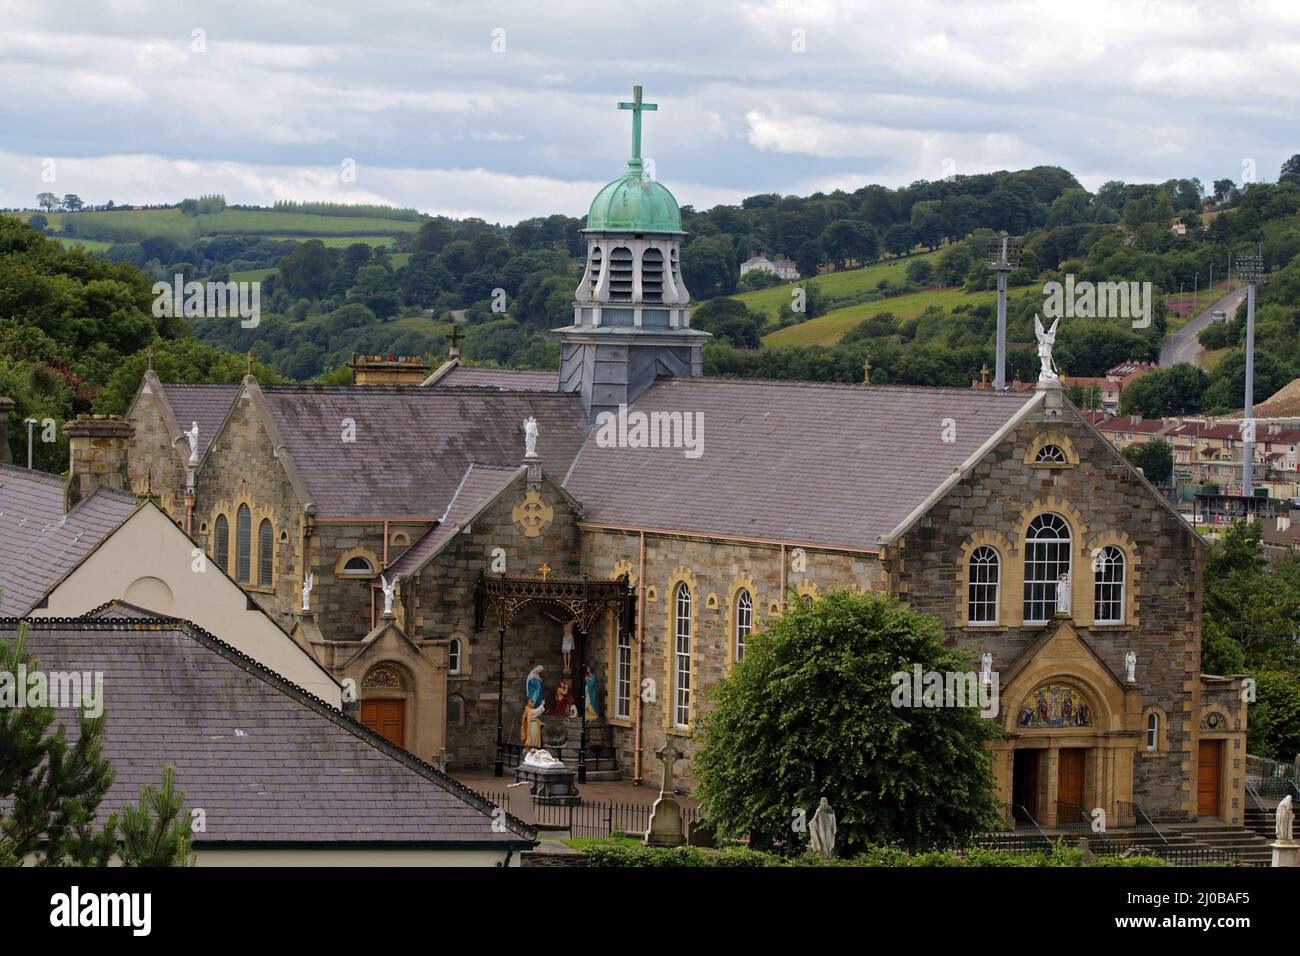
<point x="744" y="621"/>
<point x="1047" y="557"/>
<point x="265" y="553"/>
<point x="682" y="657"/>
<point x="221" y="543"/>
<point x="984" y="581"/>
<point x="244" y="545"/>
<point x="1108" y="575"/>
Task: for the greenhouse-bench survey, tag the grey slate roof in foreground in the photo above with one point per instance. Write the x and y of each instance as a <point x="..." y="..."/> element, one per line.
<point x="267" y="762"/>
<point x="835" y="465"/>
<point x="413" y="444"/>
<point x="39" y="543"/>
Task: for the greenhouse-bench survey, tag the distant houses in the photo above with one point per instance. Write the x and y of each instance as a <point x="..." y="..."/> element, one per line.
<point x="783" y="269"/>
<point x="1104" y="391"/>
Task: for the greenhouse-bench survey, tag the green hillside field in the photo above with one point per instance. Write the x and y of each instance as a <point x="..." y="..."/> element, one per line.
<point x="830" y="328"/>
<point x="135" y="224"/>
<point x="835" y="285"/>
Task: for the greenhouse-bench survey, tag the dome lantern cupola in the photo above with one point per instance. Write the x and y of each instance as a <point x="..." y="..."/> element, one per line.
<point x="631" y="315"/>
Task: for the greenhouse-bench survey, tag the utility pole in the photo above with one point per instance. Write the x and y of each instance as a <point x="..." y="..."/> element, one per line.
<point x="1003" y="257"/>
<point x="1251" y="269"/>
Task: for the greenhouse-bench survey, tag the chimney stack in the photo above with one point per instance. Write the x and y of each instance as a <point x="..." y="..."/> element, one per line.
<point x="388" y="369"/>
<point x="97" y="456"/>
<point x="6" y="406"/>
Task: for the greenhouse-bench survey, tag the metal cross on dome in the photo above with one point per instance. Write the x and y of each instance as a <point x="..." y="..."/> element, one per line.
<point x="637" y="107"/>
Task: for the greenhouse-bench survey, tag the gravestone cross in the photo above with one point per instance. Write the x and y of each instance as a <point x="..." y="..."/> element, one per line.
<point x="668" y="755"/>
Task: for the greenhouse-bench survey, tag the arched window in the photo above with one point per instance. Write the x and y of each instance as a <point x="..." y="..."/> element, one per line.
<point x="623" y="675"/>
<point x="243" y="545"/>
<point x="652" y="276"/>
<point x="358" y="567"/>
<point x="453" y="656"/>
<point x="1108" y="573"/>
<point x="265" y="553"/>
<point x="1051" y="455"/>
<point x="1047" y="557"/>
<point x="1153" y="731"/>
<point x="221" y="543"/>
<point x="744" y="620"/>
<point x="984" y="583"/>
<point x="682" y="657"/>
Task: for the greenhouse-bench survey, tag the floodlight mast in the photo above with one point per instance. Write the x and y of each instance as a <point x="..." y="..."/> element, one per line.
<point x="1003" y="257"/>
<point x="1251" y="269"/>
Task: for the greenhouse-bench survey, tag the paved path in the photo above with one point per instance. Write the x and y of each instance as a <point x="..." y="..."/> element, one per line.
<point x="1183" y="346"/>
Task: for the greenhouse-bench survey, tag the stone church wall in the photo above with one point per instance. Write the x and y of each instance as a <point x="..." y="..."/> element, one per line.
<point x="241" y="468"/>
<point x="713" y="570"/>
<point x="443" y="608"/>
<point x="152" y="460"/>
<point x="1103" y="503"/>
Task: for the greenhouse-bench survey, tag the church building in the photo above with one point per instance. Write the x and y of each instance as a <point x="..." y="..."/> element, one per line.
<point x="461" y="548"/>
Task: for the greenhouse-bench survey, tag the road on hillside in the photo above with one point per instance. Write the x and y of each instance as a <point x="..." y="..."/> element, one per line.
<point x="1182" y="346"/>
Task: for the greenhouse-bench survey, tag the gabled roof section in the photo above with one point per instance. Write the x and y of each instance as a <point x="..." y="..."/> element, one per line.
<point x="39" y="543"/>
<point x="815" y="464"/>
<point x="412" y="444"/>
<point x="479" y="489"/>
<point x="454" y="374"/>
<point x="267" y="761"/>
<point x="183" y="405"/>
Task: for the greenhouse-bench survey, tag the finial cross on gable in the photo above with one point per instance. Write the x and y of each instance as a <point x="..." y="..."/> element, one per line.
<point x="637" y="107"/>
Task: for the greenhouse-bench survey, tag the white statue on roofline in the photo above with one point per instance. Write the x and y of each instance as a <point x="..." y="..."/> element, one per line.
<point x="1046" y="339"/>
<point x="390" y="590"/>
<point x="192" y="436"/>
<point x="531" y="432"/>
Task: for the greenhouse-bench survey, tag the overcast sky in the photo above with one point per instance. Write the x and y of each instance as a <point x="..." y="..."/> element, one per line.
<point x="144" y="101"/>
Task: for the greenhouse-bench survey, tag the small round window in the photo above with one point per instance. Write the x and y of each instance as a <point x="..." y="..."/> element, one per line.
<point x="358" y="567"/>
<point x="1051" y="455"/>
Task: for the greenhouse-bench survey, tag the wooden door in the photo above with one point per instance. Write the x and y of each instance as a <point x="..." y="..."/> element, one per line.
<point x="1069" y="779"/>
<point x="387" y="718"/>
<point x="1207" y="778"/>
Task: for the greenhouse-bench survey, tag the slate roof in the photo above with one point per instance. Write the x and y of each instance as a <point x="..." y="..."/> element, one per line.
<point x="413" y="444"/>
<point x="835" y="465"/>
<point x="479" y="486"/>
<point x="504" y="379"/>
<point x="205" y="404"/>
<point x="39" y="543"/>
<point x="265" y="760"/>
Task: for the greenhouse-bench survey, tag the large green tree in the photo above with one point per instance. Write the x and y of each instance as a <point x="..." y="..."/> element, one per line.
<point x="809" y="713"/>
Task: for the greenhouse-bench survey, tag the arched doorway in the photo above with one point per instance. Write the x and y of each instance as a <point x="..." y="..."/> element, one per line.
<point x="383" y="703"/>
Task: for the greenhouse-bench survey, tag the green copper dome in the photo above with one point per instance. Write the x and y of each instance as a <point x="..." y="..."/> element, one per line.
<point x="633" y="203"/>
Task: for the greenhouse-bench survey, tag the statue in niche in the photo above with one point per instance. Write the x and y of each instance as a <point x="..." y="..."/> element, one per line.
<point x="1063" y="594"/>
<point x="1130" y="667"/>
<point x="567" y="642"/>
<point x="590" y="691"/>
<point x="307" y="583"/>
<point x="564" y="705"/>
<point x="536" y="692"/>
<point x="530" y="724"/>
